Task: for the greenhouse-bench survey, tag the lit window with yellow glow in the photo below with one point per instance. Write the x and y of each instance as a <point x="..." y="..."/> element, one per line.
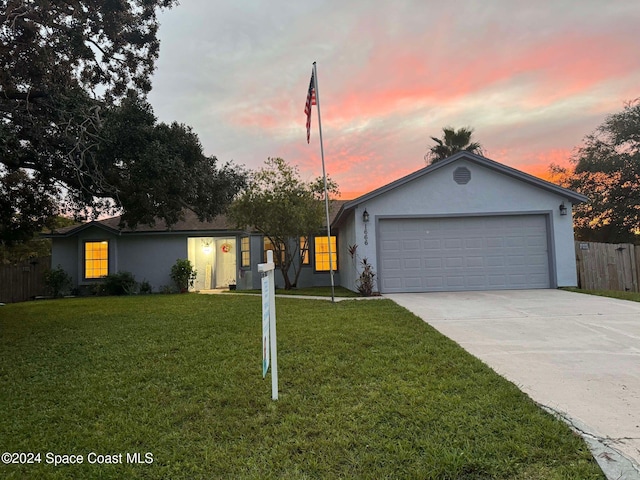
<point x="96" y="259"/>
<point x="268" y="245"/>
<point x="245" y="251"/>
<point x="322" y="254"/>
<point x="304" y="251"/>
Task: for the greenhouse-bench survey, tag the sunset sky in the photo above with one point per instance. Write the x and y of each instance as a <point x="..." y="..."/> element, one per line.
<point x="532" y="78"/>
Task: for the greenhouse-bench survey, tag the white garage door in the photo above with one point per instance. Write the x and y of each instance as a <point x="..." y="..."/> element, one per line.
<point x="463" y="253"/>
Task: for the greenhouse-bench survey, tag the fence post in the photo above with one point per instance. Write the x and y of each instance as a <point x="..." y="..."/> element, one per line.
<point x="634" y="267"/>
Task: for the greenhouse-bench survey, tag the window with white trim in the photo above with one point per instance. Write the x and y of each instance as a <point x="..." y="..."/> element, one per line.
<point x="96" y="259"/>
<point x="321" y="253"/>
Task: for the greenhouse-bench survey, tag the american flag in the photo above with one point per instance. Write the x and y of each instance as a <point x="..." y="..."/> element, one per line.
<point x="311" y="100"/>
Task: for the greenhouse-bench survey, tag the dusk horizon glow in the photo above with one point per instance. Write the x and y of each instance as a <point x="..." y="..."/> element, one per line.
<point x="532" y="80"/>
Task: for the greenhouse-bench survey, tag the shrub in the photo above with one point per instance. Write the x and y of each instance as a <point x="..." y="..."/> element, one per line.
<point x="183" y="274"/>
<point x="57" y="281"/>
<point x="121" y="283"/>
<point x="365" y="282"/>
<point x="145" y="287"/>
<point x="97" y="289"/>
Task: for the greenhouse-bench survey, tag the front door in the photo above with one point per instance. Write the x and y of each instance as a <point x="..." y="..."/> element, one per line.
<point x="214" y="259"/>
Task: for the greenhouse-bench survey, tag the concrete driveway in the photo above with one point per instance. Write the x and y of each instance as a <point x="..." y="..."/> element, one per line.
<point x="576" y="354"/>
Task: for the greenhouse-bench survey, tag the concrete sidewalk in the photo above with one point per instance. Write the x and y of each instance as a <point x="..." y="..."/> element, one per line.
<point x="577" y="355"/>
<point x="284" y="295"/>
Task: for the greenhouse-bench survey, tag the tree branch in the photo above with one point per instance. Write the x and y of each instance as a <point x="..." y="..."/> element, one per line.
<point x="22" y="96"/>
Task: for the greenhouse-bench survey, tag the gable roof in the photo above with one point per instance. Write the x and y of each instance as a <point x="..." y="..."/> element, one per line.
<point x="189" y="223"/>
<point x="570" y="195"/>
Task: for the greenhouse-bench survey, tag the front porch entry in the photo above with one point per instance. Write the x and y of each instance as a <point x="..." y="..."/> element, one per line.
<point x="214" y="259"/>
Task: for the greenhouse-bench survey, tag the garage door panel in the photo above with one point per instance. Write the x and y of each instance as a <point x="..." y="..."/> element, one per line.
<point x="433" y="283"/>
<point x="412" y="264"/>
<point x="392" y="283"/>
<point x="453" y="243"/>
<point x="516" y="260"/>
<point x="536" y="241"/>
<point x="493" y="242"/>
<point x="411" y="245"/>
<point x="495" y="261"/>
<point x="431" y="244"/>
<point x="540" y="278"/>
<point x="392" y="245"/>
<point x="540" y="267"/>
<point x="455" y="281"/>
<point x="464" y="253"/>
<point x="391" y="264"/>
<point x="388" y="227"/>
<point x="453" y="262"/>
<point x="517" y="280"/>
<point x="409" y="227"/>
<point x="432" y="263"/>
<point x="514" y="242"/>
<point x="496" y="280"/>
<point x="476" y="281"/>
<point x="471" y="243"/>
<point x="472" y="262"/>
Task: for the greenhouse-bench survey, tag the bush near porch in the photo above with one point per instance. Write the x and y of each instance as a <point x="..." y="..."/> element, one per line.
<point x="367" y="390"/>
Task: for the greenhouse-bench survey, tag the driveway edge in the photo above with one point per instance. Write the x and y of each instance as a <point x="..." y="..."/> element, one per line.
<point x="614" y="464"/>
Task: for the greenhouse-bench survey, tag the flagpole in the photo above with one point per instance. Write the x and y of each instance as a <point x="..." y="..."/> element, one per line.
<point x="324" y="177"/>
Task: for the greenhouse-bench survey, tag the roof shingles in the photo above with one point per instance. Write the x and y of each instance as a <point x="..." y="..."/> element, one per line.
<point x="189" y="223"/>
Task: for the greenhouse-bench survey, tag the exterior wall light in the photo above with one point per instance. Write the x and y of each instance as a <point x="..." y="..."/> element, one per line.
<point x="365" y="220"/>
<point x="563" y="209"/>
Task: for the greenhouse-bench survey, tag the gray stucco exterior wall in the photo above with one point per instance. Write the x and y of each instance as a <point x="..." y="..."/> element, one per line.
<point x="151" y="258"/>
<point x="64" y="254"/>
<point x="349" y="266"/>
<point x="488" y="192"/>
<point x="490" y="189"/>
<point x="147" y="257"/>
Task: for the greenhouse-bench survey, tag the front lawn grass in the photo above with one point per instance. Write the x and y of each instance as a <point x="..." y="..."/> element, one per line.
<point x="632" y="296"/>
<point x="367" y="390"/>
<point x="308" y="291"/>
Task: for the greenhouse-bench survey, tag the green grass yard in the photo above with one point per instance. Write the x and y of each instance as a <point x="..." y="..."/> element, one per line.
<point x="631" y="296"/>
<point x="308" y="292"/>
<point x="367" y="390"/>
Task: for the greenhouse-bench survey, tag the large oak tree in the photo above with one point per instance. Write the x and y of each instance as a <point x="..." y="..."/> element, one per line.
<point x="75" y="125"/>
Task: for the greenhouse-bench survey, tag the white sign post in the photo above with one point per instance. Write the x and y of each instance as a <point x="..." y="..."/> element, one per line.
<point x="269" y="340"/>
<point x="266" y="324"/>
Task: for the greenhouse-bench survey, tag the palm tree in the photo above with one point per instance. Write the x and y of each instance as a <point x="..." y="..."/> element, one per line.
<point x="452" y="141"/>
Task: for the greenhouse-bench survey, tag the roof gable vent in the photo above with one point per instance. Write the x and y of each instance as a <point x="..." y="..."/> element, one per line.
<point x="461" y="175"/>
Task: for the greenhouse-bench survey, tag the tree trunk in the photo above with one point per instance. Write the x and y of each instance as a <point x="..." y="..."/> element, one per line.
<point x="285" y="274"/>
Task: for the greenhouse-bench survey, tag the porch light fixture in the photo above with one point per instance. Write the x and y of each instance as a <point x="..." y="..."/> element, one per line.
<point x="365" y="220"/>
<point x="563" y="209"/>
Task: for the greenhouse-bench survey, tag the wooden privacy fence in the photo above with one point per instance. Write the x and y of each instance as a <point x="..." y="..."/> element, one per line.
<point x="608" y="266"/>
<point x="24" y="280"/>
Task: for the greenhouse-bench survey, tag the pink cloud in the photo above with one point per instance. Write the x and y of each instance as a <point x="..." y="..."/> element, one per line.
<point x="563" y="65"/>
<point x="379" y="80"/>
